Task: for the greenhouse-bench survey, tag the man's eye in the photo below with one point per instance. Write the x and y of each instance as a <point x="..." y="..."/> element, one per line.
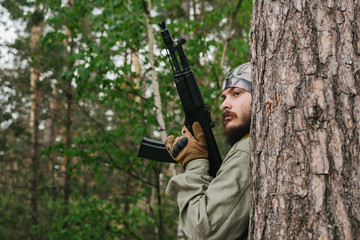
<point x="237" y="93"/>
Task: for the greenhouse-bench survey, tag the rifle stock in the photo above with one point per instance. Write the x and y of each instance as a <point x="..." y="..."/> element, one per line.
<point x="192" y="103"/>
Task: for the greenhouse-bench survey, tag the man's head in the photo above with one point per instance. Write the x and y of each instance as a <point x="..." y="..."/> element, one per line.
<point x="236" y="96"/>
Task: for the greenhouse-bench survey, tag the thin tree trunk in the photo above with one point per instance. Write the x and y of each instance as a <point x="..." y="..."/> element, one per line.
<point x="34" y="125"/>
<point x="68" y="134"/>
<point x="127" y="193"/>
<point x="67" y="185"/>
<point x="305" y="163"/>
<point x="49" y="137"/>
<point x="194" y="9"/>
<point x="158" y="107"/>
<point x="185" y="6"/>
<point x="36" y="32"/>
<point x="135" y="61"/>
<point x="49" y="132"/>
<point x="161" y="228"/>
<point x="199" y="17"/>
<point x="153" y="75"/>
<point x="228" y="38"/>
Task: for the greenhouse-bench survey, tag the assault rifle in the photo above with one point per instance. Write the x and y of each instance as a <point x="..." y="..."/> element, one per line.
<point x="192" y="103"/>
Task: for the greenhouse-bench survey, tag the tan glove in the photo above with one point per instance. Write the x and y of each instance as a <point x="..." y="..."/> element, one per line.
<point x="188" y="147"/>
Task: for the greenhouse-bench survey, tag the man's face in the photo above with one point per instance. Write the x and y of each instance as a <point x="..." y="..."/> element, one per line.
<point x="237" y="113"/>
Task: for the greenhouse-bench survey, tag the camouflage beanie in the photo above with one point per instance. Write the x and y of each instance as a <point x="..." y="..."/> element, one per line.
<point x="240" y="77"/>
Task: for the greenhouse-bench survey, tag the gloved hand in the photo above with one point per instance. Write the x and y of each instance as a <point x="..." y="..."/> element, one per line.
<point x="188" y="147"/>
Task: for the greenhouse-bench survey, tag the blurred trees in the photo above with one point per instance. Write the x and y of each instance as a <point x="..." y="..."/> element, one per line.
<point x="77" y="99"/>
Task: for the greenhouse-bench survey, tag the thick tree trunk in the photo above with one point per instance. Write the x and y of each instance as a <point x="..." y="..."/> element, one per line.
<point x="305" y="143"/>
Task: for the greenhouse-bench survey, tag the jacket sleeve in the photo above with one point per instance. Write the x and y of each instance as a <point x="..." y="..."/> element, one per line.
<point x="213" y="208"/>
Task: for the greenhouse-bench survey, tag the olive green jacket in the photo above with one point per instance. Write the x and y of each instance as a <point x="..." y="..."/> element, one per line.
<point x="215" y="208"/>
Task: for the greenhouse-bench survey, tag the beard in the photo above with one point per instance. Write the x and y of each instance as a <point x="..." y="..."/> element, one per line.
<point x="235" y="133"/>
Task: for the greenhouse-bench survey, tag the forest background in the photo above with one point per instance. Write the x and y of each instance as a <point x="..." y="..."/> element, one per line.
<point x="77" y="94"/>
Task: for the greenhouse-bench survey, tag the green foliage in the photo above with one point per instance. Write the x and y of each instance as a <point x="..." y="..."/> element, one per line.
<point x="10" y="207"/>
<point x="86" y="219"/>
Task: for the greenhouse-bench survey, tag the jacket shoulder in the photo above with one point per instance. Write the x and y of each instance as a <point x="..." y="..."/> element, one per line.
<point x="241" y="148"/>
<point x="242" y="145"/>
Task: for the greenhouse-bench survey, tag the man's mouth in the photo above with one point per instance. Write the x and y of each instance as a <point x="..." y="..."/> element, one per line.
<point x="227" y="116"/>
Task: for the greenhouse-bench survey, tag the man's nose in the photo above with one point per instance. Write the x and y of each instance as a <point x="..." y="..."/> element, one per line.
<point x="225" y="105"/>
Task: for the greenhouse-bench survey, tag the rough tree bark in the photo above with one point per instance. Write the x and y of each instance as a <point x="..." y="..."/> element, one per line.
<point x="306" y="122"/>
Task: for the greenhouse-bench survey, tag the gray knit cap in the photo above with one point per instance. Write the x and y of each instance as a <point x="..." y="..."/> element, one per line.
<point x="239" y="77"/>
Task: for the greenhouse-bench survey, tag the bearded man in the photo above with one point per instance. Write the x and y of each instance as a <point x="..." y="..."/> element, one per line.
<point x="216" y="208"/>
